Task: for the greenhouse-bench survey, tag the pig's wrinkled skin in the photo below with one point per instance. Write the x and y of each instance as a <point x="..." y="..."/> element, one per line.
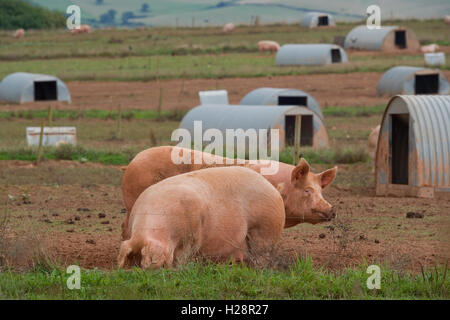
<point x="220" y="213"/>
<point x="301" y="189"/>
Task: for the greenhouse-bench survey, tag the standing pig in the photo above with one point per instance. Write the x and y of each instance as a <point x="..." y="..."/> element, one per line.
<point x="19" y="33"/>
<point x="300" y="189"/>
<point x="431" y="48"/>
<point x="220" y="213"/>
<point x="228" y="28"/>
<point x="84" y="28"/>
<point x="267" y="45"/>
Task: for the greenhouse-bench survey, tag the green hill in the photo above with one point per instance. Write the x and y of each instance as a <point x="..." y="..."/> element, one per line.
<point x="21" y="14"/>
<point x="216" y="12"/>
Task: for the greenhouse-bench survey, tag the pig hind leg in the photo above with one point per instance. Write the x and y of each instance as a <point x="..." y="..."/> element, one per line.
<point x="155" y="255"/>
<point x="260" y="241"/>
<point x="150" y="254"/>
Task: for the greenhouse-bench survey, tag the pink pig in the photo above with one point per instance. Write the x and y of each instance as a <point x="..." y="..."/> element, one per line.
<point x="267" y="45"/>
<point x="300" y="188"/>
<point x="220" y="213"/>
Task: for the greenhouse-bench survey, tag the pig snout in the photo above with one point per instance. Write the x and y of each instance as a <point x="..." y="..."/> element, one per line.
<point x="326" y="211"/>
<point x="332" y="214"/>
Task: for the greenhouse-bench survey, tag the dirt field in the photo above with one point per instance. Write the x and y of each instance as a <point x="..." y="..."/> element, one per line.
<point x="75" y="211"/>
<point x="353" y="89"/>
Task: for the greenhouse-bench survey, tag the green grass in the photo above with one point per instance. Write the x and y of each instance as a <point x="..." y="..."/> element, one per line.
<point x="356" y="111"/>
<point x="216" y="281"/>
<point x="184" y="41"/>
<point x="329" y="156"/>
<point x="212" y="66"/>
<point x="93" y="114"/>
<point x="164" y="53"/>
<point x="79" y="153"/>
<point x="69" y="152"/>
<point x="352" y="111"/>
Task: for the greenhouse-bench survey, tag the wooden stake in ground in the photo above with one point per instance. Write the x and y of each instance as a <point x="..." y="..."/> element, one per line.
<point x="183" y="76"/>
<point x="41" y="138"/>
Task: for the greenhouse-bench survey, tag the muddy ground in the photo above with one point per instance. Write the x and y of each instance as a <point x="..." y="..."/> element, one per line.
<point x="351" y="89"/>
<point x="74" y="211"/>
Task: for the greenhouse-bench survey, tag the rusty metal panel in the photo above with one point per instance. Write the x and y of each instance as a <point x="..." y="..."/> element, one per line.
<point x="429" y="139"/>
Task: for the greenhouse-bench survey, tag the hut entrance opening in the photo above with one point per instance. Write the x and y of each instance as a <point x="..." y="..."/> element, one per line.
<point x="426" y="83"/>
<point x="336" y="56"/>
<point x="45" y="90"/>
<point x="323" y="21"/>
<point x="306" y="130"/>
<point x="292" y="101"/>
<point x="399" y="145"/>
<point x="289" y="130"/>
<point x="400" y="39"/>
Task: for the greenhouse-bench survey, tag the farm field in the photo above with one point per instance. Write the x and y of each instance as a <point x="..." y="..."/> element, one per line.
<point x="68" y="209"/>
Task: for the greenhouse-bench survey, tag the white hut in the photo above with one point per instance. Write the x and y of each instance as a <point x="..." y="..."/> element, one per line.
<point x="23" y="87"/>
<point x="310" y="54"/>
<point x="387" y="38"/>
<point x="317" y="19"/>
<point x="287" y="119"/>
<point x="412" y="80"/>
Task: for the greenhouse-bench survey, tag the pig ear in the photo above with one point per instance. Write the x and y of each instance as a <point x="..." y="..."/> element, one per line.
<point x="327" y="177"/>
<point x="300" y="171"/>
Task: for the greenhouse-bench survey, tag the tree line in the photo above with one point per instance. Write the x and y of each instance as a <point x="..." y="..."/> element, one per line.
<point x="16" y="14"/>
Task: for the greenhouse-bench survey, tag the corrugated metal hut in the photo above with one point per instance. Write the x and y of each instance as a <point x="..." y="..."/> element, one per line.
<point x="317" y="19"/>
<point x="284" y="118"/>
<point x="282" y="97"/>
<point x="388" y="38"/>
<point x="310" y="54"/>
<point x="413" y="152"/>
<point x="23" y="87"/>
<point x="412" y="80"/>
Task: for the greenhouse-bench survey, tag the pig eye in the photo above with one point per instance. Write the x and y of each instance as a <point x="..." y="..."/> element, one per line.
<point x="308" y="192"/>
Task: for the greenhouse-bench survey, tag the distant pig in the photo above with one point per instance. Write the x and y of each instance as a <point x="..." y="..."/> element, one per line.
<point x="228" y="28"/>
<point x="220" y="213"/>
<point x="19" y="33"/>
<point x="429" y="48"/>
<point x="300" y="188"/>
<point x="267" y="45"/>
<point x="447" y="19"/>
<point x="84" y="28"/>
